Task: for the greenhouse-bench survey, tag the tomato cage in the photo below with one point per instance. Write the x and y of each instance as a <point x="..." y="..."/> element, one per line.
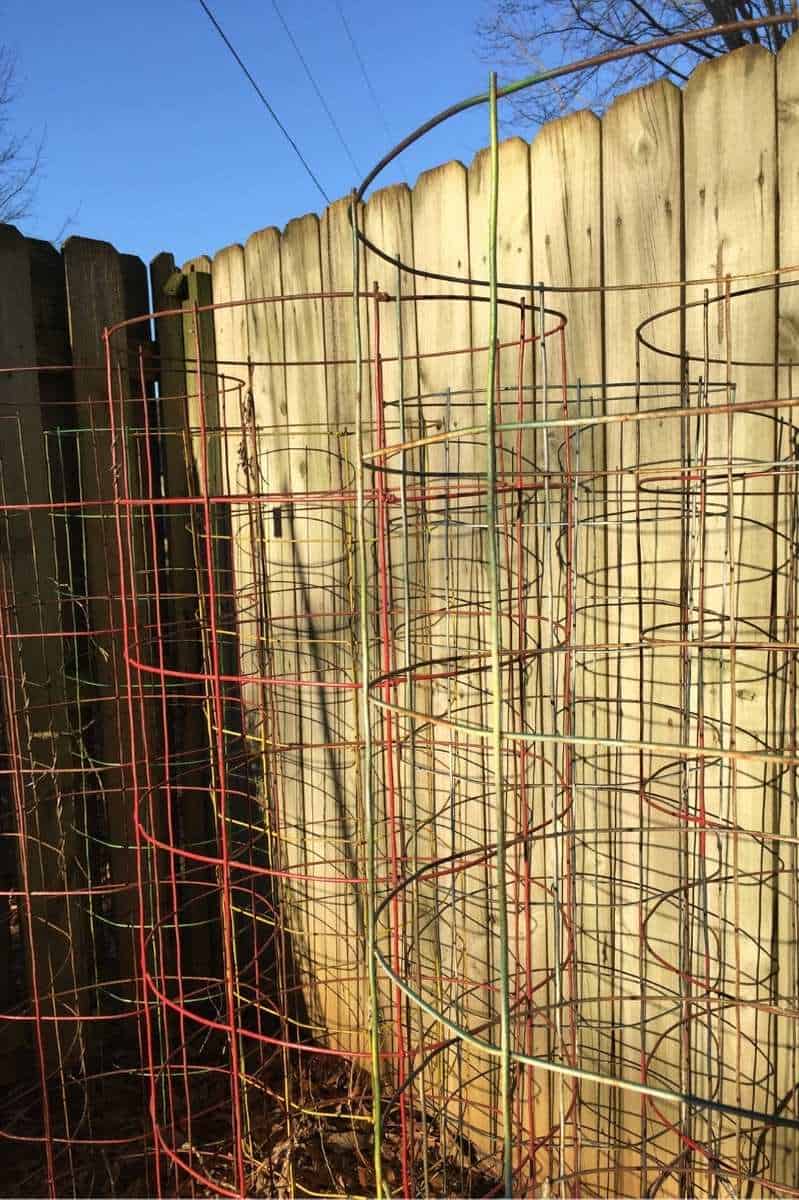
<point x="236" y="513"/>
<point x="585" y="751"/>
<point x="73" y="1114"/>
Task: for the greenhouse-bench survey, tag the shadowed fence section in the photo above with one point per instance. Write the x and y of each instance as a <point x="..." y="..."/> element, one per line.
<point x="71" y="1001"/>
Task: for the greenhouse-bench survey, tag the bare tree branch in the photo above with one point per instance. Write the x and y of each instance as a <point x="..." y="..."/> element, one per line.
<point x="20" y="157"/>
<point x="519" y="32"/>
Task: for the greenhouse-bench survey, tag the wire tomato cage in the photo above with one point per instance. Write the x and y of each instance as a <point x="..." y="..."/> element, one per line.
<point x="69" y="1006"/>
<point x="591" y="740"/>
<point x="239" y="635"/>
<point x="647" y="585"/>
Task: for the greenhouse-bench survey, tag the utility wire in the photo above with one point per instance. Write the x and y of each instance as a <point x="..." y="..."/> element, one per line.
<point x="264" y="100"/>
<point x="316" y="87"/>
<point x="364" y="72"/>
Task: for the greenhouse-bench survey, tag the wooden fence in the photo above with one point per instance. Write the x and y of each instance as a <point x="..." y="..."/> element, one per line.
<point x="668" y="185"/>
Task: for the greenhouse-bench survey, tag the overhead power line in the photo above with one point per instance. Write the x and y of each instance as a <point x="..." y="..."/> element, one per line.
<point x="264" y="100"/>
<point x="316" y="88"/>
<point x="364" y="72"/>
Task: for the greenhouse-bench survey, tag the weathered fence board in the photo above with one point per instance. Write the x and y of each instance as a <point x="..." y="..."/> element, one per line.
<point x="731" y="226"/>
<point x="788" y="191"/>
<point x="265" y="326"/>
<point x="387" y="220"/>
<point x="183" y="808"/>
<point x="514" y="378"/>
<point x="40" y="830"/>
<point x="319" y="811"/>
<point x="788" y="387"/>
<point x="265" y="571"/>
<point x="641" y="142"/>
<point x="96" y="299"/>
<point x="450" y="934"/>
<point x="227" y="284"/>
<point x="565" y="171"/>
<point x="344" y="815"/>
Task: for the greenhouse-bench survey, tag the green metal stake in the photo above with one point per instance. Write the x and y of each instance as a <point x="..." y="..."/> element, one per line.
<point x="496" y="649"/>
<point x="366" y="732"/>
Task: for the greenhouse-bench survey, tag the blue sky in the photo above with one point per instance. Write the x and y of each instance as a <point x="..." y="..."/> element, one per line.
<point x="155" y="140"/>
